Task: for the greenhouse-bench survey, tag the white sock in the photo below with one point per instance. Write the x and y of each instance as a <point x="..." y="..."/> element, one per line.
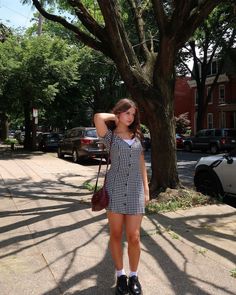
<point x="133" y="273"/>
<point x="120" y="272"/>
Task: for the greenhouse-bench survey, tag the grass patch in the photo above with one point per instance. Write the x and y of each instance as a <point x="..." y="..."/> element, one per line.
<point x="233" y="273"/>
<point x="201" y="251"/>
<point x="172" y="200"/>
<point x="89" y="186"/>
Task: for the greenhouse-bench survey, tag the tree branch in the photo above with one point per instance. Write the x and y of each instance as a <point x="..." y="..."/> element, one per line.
<point x="125" y="57"/>
<point x="139" y="23"/>
<point x="83" y="37"/>
<point x="87" y="20"/>
<point x="193" y="14"/>
<point x="160" y="15"/>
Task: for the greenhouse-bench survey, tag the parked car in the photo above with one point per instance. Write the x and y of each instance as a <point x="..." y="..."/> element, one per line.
<point x="81" y="142"/>
<point x="179" y="141"/>
<point x="214" y="140"/>
<point x="48" y="141"/>
<point x="146" y="142"/>
<point x="20" y="136"/>
<point x="215" y="175"/>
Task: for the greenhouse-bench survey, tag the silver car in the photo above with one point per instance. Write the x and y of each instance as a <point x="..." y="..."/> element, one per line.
<point x="216" y="175"/>
<point x="80" y="143"/>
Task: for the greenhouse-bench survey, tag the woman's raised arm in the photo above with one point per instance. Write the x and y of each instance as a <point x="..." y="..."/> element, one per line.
<point x="100" y="122"/>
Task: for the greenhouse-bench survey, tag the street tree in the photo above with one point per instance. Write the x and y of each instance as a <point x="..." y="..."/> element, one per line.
<point x="147" y="67"/>
<point x="98" y="88"/>
<point x="35" y="70"/>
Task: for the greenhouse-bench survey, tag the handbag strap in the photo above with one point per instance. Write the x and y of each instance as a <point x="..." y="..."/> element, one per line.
<point x="100" y="165"/>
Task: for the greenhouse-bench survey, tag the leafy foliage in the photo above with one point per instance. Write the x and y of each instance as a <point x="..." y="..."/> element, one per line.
<point x="182" y="123"/>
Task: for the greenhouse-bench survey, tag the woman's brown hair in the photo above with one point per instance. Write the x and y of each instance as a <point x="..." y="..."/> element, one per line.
<point x="122" y="106"/>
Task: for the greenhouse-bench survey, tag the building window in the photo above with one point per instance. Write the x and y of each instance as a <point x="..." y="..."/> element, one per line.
<point x="196" y="97"/>
<point x="209" y="120"/>
<point x="222" y="120"/>
<point x="213" y="68"/>
<point x="211" y="97"/>
<point x="221" y="94"/>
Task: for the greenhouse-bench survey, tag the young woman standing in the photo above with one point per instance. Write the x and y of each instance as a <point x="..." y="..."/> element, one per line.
<point x="127" y="186"/>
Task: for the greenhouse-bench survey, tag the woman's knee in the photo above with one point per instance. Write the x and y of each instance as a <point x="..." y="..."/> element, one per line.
<point x="133" y="239"/>
<point x="116" y="236"/>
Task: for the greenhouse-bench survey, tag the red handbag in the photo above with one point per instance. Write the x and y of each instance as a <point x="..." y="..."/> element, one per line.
<point x="100" y="198"/>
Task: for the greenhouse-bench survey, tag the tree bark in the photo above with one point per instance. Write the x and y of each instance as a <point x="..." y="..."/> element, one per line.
<point x="4" y="125"/>
<point x="28" y="127"/>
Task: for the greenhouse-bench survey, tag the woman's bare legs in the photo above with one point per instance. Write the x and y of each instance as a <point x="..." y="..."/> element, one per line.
<point x="116" y="222"/>
<point x="132" y="227"/>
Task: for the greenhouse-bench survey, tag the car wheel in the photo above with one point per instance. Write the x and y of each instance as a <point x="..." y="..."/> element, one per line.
<point x="187" y="147"/>
<point x="75" y="156"/>
<point x="59" y="153"/>
<point x="208" y="184"/>
<point x="214" y="149"/>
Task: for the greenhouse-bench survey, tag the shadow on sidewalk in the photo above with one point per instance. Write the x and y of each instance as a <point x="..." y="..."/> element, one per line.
<point x="52" y="213"/>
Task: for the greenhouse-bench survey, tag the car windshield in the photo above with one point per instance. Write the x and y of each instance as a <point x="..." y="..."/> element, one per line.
<point x="91" y="133"/>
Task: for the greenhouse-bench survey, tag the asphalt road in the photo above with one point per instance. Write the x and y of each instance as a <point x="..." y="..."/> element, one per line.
<point x="185" y="164"/>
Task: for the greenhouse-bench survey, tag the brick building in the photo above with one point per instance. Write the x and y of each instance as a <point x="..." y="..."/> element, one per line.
<point x="221" y="110"/>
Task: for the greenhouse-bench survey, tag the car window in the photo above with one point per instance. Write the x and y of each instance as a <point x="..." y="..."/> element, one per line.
<point x="54" y="135"/>
<point x="200" y="133"/>
<point x="74" y="132"/>
<point x="230" y="133"/>
<point x="218" y="132"/>
<point x="209" y="132"/>
<point x="91" y="133"/>
<point x="68" y="133"/>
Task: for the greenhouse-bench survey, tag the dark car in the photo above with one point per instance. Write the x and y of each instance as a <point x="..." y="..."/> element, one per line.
<point x="48" y="141"/>
<point x="179" y="141"/>
<point x="214" y="140"/>
<point x="81" y="142"/>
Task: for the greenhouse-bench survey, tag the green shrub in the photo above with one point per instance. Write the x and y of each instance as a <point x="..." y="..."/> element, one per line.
<point x="10" y="141"/>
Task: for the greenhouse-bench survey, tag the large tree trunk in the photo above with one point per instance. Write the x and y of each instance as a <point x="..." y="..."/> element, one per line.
<point x="163" y="152"/>
<point x="28" y="127"/>
<point x="4" y="125"/>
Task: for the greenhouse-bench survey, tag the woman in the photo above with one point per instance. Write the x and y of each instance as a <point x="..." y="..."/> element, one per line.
<point x="127" y="186"/>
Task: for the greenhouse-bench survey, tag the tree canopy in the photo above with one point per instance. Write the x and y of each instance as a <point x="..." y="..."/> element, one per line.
<point x="32" y="72"/>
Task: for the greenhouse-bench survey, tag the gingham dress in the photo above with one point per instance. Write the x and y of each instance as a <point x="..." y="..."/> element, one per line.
<point x="124" y="181"/>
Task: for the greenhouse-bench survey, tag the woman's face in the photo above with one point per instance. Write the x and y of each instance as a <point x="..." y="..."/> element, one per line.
<point x="127" y="117"/>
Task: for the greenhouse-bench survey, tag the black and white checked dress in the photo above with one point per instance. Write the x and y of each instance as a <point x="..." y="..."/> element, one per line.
<point x="124" y="179"/>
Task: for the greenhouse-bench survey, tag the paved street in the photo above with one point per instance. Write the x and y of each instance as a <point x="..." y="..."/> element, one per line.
<point x="185" y="163"/>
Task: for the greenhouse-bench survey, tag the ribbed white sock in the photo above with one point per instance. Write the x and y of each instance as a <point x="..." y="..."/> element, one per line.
<point x="133" y="273"/>
<point x="120" y="272"/>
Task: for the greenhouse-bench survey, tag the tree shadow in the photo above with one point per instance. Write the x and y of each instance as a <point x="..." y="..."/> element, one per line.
<point x="47" y="200"/>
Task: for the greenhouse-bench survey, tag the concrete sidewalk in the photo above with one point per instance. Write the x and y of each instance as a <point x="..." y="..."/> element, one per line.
<point x="52" y="243"/>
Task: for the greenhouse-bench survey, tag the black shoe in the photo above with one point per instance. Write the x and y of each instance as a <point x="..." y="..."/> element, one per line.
<point x="134" y="286"/>
<point x="121" y="285"/>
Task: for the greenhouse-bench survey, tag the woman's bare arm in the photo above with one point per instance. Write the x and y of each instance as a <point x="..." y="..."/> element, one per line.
<point x="145" y="178"/>
<point x="100" y="122"/>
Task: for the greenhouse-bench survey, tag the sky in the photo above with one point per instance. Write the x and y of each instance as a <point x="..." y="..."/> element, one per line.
<point x="14" y="14"/>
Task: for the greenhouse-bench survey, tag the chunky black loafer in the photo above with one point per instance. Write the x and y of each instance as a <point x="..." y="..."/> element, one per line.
<point x="121" y="285"/>
<point x="134" y="286"/>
